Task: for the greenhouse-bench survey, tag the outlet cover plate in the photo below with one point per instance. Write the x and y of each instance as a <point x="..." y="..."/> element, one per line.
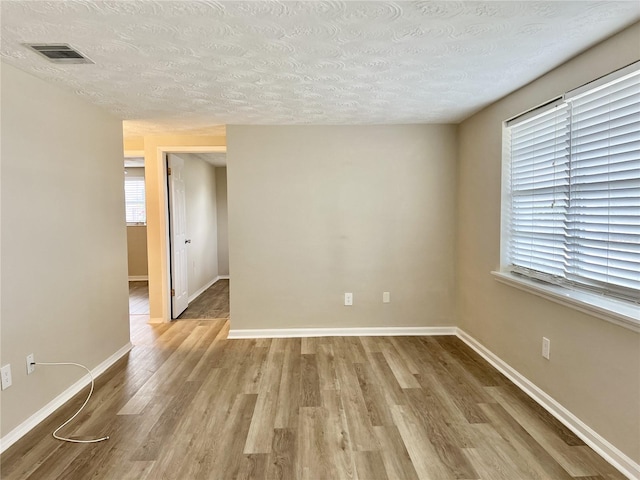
<point x="546" y="347"/>
<point x="6" y="376"/>
<point x="30" y="364"/>
<point x="348" y="299"/>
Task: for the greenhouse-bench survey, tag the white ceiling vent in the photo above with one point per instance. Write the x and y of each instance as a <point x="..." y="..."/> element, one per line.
<point x="58" y="52"/>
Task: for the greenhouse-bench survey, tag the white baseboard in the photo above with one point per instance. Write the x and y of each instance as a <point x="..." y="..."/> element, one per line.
<point x="598" y="443"/>
<point x="138" y="278"/>
<point x="223" y="277"/>
<point x="21" y="430"/>
<point x="341" y="332"/>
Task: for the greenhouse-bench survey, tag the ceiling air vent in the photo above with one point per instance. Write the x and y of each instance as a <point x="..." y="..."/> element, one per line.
<point x="58" y="53"/>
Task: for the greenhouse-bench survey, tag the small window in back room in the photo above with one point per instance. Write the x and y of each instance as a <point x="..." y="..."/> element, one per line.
<point x="136" y="213"/>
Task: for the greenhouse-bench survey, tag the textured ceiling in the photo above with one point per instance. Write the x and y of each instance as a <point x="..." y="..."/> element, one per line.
<point x="197" y="65"/>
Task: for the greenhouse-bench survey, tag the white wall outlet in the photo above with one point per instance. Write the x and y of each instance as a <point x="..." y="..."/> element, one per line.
<point x="6" y="376"/>
<point x="31" y="364"/>
<point x="386" y="297"/>
<point x="348" y="299"/>
<point x="546" y="347"/>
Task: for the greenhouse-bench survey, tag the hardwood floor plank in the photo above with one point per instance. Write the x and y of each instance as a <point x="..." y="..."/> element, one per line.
<point x="360" y="428"/>
<point x="396" y="459"/>
<point x="314" y="459"/>
<point x="523" y="442"/>
<point x="254" y="467"/>
<point x="164" y="427"/>
<point x="52" y="466"/>
<point x="260" y="436"/>
<point x="454" y="375"/>
<point x="400" y="345"/>
<point x="327" y="368"/>
<point x="401" y="372"/>
<point x="337" y="435"/>
<point x="544" y="428"/>
<point x="283" y="455"/>
<point x="132" y="471"/>
<point x="309" y="382"/>
<point x="253" y="369"/>
<point x="424" y="457"/>
<point x="445" y="442"/>
<point x="377" y="408"/>
<point x="226" y="457"/>
<point x="514" y="395"/>
<point x="492" y="464"/>
<point x="289" y="396"/>
<point x="370" y="466"/>
<point x="386" y="379"/>
<point x="473" y="363"/>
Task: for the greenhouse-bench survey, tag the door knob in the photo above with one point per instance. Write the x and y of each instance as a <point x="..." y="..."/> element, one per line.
<point x="187" y="240"/>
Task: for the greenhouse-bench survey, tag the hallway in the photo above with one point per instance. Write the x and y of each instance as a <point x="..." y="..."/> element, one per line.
<point x="212" y="303"/>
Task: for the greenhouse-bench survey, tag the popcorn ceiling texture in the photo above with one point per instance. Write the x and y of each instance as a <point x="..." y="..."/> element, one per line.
<point x="190" y="66"/>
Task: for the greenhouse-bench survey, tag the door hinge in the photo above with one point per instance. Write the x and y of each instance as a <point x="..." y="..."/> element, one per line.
<point x="168" y="170"/>
<point x="173" y="292"/>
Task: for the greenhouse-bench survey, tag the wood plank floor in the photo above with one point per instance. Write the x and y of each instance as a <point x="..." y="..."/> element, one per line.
<point x="187" y="403"/>
<point x="138" y="298"/>
<point x="212" y="303"/>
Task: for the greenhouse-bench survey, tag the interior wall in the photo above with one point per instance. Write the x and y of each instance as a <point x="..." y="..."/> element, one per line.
<point x="136" y="239"/>
<point x="64" y="258"/>
<point x="202" y="223"/>
<point x="137" y="251"/>
<point x="594" y="369"/>
<point x="223" y="221"/>
<point x="317" y="211"/>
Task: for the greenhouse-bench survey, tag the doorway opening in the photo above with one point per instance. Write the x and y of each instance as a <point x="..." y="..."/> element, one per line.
<point x="197" y="234"/>
<point x="136" y="225"/>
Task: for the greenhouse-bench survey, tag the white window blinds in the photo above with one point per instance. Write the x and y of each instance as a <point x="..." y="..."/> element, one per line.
<point x="134" y="200"/>
<point x="540" y="192"/>
<point x="575" y="189"/>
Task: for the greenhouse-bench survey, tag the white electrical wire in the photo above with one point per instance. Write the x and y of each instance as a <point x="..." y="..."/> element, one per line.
<point x="55" y="433"/>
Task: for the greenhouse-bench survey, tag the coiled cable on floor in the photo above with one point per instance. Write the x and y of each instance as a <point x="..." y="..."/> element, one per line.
<point x="55" y="433"/>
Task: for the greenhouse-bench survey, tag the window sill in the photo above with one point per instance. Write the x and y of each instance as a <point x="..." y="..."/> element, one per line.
<point x="136" y="224"/>
<point x="621" y="313"/>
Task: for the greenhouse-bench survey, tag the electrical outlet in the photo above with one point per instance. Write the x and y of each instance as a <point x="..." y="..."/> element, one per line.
<point x="386" y="297"/>
<point x="31" y="367"/>
<point x="348" y="299"/>
<point x="546" y="347"/>
<point x="6" y="376"/>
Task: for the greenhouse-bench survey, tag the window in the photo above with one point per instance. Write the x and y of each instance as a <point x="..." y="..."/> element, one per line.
<point x="134" y="198"/>
<point x="572" y="204"/>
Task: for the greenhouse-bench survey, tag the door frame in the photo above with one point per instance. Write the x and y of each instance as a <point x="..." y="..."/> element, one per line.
<point x="158" y="250"/>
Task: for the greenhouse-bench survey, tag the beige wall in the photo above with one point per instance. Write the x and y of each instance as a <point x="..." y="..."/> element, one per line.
<point x="137" y="251"/>
<point x="223" y="230"/>
<point x="200" y="201"/>
<point x="316" y="211"/>
<point x="64" y="258"/>
<point x="594" y="369"/>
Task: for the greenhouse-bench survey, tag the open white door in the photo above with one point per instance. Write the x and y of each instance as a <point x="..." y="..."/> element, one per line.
<point x="178" y="236"/>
